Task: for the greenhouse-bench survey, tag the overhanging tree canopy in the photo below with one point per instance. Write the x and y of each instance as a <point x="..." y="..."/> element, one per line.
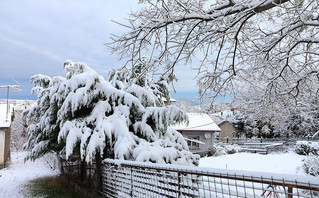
<point x="269" y="46"/>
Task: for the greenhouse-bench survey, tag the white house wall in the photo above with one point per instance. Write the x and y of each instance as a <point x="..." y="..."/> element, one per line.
<point x="2" y="146"/>
<point x="202" y="147"/>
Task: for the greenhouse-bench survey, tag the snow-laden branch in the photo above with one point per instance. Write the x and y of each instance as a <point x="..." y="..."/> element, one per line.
<point x="83" y="115"/>
<point x="267" y="42"/>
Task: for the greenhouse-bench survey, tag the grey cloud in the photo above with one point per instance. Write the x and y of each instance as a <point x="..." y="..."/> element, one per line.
<point x="36" y="36"/>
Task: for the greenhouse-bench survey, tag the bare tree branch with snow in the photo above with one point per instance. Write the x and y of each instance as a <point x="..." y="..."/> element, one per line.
<point x="268" y="45"/>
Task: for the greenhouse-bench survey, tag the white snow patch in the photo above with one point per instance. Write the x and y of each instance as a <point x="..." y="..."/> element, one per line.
<point x="5" y="120"/>
<point x="17" y="174"/>
<point x="283" y="163"/>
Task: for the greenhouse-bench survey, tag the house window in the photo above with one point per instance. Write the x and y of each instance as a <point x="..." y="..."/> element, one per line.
<point x="193" y="144"/>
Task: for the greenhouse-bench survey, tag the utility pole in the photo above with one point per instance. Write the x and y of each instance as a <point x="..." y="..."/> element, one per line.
<point x="8" y="87"/>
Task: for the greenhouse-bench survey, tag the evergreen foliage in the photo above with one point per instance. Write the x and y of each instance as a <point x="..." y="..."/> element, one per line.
<point x="83" y="115"/>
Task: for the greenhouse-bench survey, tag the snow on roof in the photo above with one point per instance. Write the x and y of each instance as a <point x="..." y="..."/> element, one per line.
<point x="217" y="119"/>
<point x="19" y="104"/>
<point x="3" y="112"/>
<point x="224" y="114"/>
<point x="171" y="99"/>
<point x="198" y="122"/>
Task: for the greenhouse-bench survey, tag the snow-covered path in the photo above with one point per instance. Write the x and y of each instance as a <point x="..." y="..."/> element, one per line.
<point x="18" y="173"/>
<point x="283" y="163"/>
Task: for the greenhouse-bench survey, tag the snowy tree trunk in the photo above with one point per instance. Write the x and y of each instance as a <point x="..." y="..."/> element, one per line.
<point x="99" y="181"/>
<point x="83" y="171"/>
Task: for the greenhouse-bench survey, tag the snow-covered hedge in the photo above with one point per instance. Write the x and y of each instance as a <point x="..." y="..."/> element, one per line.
<point x="232" y="148"/>
<point x="311" y="162"/>
<point x="311" y="165"/>
<point x="306" y="148"/>
<point x="223" y="149"/>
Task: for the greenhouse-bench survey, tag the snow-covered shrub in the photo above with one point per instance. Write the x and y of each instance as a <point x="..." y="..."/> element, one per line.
<point x="302" y="148"/>
<point x="311" y="162"/>
<point x="217" y="150"/>
<point x="311" y="165"/>
<point x="232" y="148"/>
<point x="223" y="149"/>
<point x="84" y="115"/>
<point x="315" y="148"/>
<point x="306" y="148"/>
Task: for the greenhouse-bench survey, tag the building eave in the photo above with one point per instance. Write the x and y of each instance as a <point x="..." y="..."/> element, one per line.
<point x="197" y="130"/>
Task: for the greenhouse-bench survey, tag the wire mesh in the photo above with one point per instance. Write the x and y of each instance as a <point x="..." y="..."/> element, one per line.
<point x="128" y="179"/>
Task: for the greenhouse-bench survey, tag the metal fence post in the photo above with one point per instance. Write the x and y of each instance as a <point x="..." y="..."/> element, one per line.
<point x="179" y="184"/>
<point x="131" y="193"/>
<point x="289" y="192"/>
<point x="61" y="165"/>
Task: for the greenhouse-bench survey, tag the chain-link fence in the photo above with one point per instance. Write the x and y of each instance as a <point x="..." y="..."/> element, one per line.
<point x="136" y="179"/>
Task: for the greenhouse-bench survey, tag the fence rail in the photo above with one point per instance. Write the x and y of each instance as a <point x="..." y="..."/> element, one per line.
<point x="136" y="179"/>
<point x="234" y="140"/>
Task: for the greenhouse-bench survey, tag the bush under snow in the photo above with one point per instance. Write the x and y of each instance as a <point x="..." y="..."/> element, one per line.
<point x="306" y="148"/>
<point x="311" y="162"/>
<point x="223" y="149"/>
<point x="311" y="165"/>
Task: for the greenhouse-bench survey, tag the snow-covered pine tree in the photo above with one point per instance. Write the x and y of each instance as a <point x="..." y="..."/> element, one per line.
<point x="302" y="121"/>
<point x="85" y="116"/>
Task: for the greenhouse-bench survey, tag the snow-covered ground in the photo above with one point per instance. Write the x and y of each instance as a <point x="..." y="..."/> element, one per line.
<point x="283" y="163"/>
<point x="17" y="174"/>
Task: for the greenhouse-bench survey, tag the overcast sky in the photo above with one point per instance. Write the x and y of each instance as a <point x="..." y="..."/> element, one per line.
<point x="37" y="36"/>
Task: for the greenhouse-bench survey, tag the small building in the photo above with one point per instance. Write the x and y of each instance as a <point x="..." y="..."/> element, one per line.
<point x="200" y="133"/>
<point x="5" y="133"/>
<point x="171" y="101"/>
<point x="227" y="129"/>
